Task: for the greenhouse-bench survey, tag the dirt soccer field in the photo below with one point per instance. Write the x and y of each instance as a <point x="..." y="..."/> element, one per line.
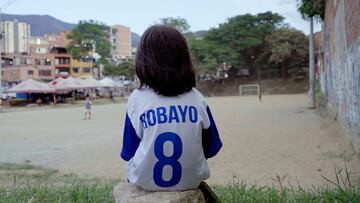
<point x="278" y="137"/>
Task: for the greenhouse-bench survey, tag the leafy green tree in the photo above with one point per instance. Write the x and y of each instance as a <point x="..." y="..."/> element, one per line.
<point x="312" y="8"/>
<point x="111" y="69"/>
<point x="179" y="23"/>
<point x="240" y="42"/>
<point x="285" y="47"/>
<point x="207" y="56"/>
<point x="89" y="36"/>
<point x="126" y="69"/>
<point x="245" y="34"/>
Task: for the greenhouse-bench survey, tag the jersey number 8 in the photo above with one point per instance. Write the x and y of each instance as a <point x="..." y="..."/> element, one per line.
<point x="164" y="160"/>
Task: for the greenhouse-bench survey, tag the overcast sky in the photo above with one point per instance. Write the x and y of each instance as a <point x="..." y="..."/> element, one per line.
<point x="138" y="15"/>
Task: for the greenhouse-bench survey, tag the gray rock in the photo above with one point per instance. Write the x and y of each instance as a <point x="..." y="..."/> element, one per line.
<point x="128" y="193"/>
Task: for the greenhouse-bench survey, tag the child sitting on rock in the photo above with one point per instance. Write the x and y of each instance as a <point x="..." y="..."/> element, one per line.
<point x="169" y="131"/>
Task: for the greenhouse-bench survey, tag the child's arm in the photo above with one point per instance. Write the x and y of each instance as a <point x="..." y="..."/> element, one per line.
<point x="210" y="137"/>
<point x="130" y="140"/>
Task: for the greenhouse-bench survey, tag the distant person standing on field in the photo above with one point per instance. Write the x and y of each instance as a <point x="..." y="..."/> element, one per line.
<point x="88" y="104"/>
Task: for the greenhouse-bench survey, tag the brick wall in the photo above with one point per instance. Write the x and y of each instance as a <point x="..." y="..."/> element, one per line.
<point x="340" y="77"/>
<point x="352" y="20"/>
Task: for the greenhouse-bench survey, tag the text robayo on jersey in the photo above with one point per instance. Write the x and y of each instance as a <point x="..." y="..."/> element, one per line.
<point x="174" y="113"/>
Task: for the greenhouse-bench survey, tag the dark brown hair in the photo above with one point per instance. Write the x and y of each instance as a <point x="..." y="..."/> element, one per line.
<point x="163" y="61"/>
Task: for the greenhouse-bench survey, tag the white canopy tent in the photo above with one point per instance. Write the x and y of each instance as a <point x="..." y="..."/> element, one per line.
<point x="66" y="85"/>
<point x="91" y="83"/>
<point x="31" y="86"/>
<point x="107" y="82"/>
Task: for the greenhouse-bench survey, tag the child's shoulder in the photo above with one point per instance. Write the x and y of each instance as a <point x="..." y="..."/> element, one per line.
<point x="140" y="93"/>
<point x="139" y="96"/>
<point x="195" y="95"/>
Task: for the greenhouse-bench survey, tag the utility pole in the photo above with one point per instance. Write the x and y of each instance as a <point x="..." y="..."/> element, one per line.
<point x="312" y="104"/>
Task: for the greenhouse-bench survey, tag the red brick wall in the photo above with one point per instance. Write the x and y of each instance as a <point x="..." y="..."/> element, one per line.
<point x="329" y="25"/>
<point x="340" y="78"/>
<point x="352" y="20"/>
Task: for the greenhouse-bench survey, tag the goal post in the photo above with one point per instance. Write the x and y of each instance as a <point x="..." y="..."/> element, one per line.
<point x="252" y="89"/>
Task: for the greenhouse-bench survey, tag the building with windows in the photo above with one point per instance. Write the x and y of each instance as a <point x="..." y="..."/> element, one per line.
<point x="82" y="68"/>
<point x="120" y="38"/>
<point x="16" y="37"/>
<point x="42" y="58"/>
<point x="59" y="40"/>
<point x="62" y="61"/>
<point x="18" y="68"/>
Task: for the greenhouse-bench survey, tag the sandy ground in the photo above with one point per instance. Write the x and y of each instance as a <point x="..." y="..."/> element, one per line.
<point x="278" y="137"/>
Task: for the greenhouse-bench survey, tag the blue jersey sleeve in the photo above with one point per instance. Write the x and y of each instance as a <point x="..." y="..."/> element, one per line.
<point x="130" y="140"/>
<point x="210" y="138"/>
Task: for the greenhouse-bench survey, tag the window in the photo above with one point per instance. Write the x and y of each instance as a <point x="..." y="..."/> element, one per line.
<point x="45" y="72"/>
<point x="86" y="70"/>
<point x="30" y="72"/>
<point x="62" y="61"/>
<point x="28" y="61"/>
<point x="22" y="61"/>
<point x="65" y="61"/>
<point x="47" y="62"/>
<point x="114" y="41"/>
<point x="114" y="47"/>
<point x="37" y="62"/>
<point x="41" y="50"/>
<point x="75" y="70"/>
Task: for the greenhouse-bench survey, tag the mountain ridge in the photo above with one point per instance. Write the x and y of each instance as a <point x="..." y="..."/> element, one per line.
<point x="41" y="25"/>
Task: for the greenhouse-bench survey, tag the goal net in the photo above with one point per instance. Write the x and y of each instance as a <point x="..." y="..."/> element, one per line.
<point x="253" y="89"/>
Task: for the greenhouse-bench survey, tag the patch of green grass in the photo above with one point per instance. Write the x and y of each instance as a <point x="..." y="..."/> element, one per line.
<point x="241" y="192"/>
<point x="29" y="183"/>
<point x="51" y="186"/>
<point x="75" y="192"/>
<point x="341" y="189"/>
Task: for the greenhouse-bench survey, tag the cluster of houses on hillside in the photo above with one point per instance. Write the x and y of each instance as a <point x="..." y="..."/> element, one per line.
<point x="46" y="58"/>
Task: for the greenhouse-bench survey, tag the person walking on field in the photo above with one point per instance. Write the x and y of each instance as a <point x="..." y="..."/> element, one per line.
<point x="88" y="104"/>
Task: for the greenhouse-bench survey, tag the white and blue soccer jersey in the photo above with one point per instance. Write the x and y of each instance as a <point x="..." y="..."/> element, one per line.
<point x="168" y="139"/>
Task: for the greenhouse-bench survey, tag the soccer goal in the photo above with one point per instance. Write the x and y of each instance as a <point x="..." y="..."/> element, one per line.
<point x="253" y="89"/>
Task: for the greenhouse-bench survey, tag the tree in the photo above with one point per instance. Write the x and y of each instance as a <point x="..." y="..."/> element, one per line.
<point x="312" y="8"/>
<point x="286" y="46"/>
<point x="240" y="41"/>
<point x="179" y="23"/>
<point x="89" y="36"/>
<point x="207" y="56"/>
<point x="111" y="69"/>
<point x="125" y="68"/>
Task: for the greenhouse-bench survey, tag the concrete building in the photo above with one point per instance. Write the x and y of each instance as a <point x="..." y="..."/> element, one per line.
<point x="120" y="38"/>
<point x="45" y="60"/>
<point x="82" y="69"/>
<point x="59" y="40"/>
<point x="340" y="72"/>
<point x="16" y="37"/>
<point x="18" y="68"/>
<point x="42" y="59"/>
<point x="62" y="61"/>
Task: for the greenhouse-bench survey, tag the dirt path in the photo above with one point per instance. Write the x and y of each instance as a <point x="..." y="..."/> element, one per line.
<point x="261" y="140"/>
